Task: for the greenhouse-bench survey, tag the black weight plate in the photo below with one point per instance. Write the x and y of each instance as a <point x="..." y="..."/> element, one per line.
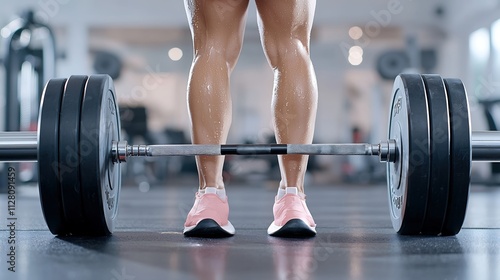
<point x="101" y="180"/>
<point x="69" y="158"/>
<point x="439" y="180"/>
<point x="48" y="157"/>
<point x="408" y="177"/>
<point x="460" y="156"/>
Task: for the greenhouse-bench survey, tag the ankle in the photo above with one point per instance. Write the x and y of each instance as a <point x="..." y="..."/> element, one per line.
<point x="288" y="190"/>
<point x="284" y="185"/>
<point x="217" y="186"/>
<point x="221" y="192"/>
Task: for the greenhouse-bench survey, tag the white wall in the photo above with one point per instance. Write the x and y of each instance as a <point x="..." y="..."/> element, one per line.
<point x="465" y="16"/>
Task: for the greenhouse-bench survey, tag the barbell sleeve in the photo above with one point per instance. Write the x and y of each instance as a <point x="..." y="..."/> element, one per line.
<point x="18" y="146"/>
<point x="485" y="146"/>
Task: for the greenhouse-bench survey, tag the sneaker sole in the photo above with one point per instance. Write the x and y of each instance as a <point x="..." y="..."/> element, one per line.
<point x="295" y="228"/>
<point x="209" y="228"/>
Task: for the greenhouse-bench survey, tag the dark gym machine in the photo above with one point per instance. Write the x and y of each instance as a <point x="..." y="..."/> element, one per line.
<point x="29" y="55"/>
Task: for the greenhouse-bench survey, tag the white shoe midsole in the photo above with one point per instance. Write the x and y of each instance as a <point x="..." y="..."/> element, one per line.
<point x="229" y="228"/>
<point x="274" y="228"/>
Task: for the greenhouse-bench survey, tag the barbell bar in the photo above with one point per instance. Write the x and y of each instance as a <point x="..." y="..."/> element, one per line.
<point x="17" y="146"/>
<point x="121" y="150"/>
<point x="485" y="147"/>
<point x="23" y="146"/>
<point x="79" y="149"/>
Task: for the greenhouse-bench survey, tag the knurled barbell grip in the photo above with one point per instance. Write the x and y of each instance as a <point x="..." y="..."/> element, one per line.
<point x="385" y="150"/>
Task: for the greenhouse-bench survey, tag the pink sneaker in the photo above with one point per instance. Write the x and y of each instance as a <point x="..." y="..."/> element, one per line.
<point x="209" y="215"/>
<point x="291" y="215"/>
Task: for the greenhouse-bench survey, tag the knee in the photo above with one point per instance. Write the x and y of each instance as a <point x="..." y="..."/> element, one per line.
<point x="217" y="54"/>
<point x="282" y="53"/>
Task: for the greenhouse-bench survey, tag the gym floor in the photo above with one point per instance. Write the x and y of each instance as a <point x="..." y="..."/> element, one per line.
<point x="355" y="240"/>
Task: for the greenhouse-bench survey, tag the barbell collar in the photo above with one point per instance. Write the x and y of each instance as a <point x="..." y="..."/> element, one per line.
<point x="386" y="150"/>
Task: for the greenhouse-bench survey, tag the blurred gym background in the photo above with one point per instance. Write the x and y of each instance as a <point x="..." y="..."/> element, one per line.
<point x="358" y="47"/>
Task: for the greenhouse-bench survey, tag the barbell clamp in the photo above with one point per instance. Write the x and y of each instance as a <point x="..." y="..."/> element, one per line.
<point x="386" y="150"/>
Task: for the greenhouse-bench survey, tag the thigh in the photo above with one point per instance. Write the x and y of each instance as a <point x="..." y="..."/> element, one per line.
<point x="217" y="23"/>
<point x="282" y="23"/>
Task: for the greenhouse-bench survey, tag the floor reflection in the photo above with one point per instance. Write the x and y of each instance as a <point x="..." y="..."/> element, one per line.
<point x="293" y="259"/>
<point x="209" y="260"/>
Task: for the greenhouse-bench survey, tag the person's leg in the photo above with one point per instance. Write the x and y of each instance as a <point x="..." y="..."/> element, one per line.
<point x="217" y="27"/>
<point x="285" y="28"/>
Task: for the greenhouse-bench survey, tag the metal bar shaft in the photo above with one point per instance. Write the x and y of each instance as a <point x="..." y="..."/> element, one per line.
<point x="485" y="146"/>
<point x="18" y="146"/>
<point x="272" y="149"/>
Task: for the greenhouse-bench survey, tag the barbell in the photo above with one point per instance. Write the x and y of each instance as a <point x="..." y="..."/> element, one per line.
<point x="79" y="150"/>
